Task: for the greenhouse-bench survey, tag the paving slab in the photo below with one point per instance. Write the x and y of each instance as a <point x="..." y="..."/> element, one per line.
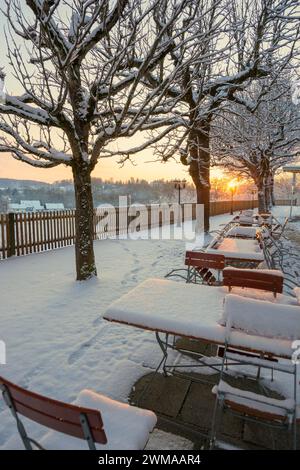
<point x="163" y="394"/>
<point x="184" y="406"/>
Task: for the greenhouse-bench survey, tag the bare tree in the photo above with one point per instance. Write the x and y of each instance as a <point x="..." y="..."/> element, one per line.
<point x="242" y="40"/>
<point x="82" y="89"/>
<point x="258" y="135"/>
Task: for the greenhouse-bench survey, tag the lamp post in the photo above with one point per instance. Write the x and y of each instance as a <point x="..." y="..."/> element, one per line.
<point x="253" y="191"/>
<point x="232" y="188"/>
<point x="179" y="184"/>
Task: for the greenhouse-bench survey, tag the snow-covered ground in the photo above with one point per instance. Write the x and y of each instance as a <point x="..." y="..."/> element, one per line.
<point x="57" y="343"/>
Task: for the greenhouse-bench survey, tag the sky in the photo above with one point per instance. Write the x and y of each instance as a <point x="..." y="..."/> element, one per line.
<point x="106" y="168"/>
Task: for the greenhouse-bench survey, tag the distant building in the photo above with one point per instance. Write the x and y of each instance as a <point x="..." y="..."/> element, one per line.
<point x="25" y="206"/>
<point x="34" y="206"/>
<point x="4" y="203"/>
<point x="54" y="206"/>
<point x="14" y="207"/>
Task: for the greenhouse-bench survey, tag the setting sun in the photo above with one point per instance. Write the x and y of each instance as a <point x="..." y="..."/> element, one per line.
<point x="232" y="185"/>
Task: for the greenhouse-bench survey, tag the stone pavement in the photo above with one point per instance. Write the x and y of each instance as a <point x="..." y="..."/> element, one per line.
<point x="184" y="405"/>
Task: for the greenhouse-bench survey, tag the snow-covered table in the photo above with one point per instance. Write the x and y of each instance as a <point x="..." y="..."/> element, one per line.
<point x="239" y="231"/>
<point x="191" y="311"/>
<point x="237" y="250"/>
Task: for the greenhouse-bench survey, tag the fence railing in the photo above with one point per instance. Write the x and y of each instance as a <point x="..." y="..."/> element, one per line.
<point x="286" y="202"/>
<point x="33" y="232"/>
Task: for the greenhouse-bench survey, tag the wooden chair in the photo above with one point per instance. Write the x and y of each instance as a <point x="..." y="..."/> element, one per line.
<point x="254" y="279"/>
<point x="72" y="420"/>
<point x="258" y="406"/>
<point x="255" y="407"/>
<point x="278" y="230"/>
<point x="200" y="265"/>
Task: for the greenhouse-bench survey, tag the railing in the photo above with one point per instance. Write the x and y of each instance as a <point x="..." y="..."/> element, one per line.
<point x="286" y="202"/>
<point x="33" y="232"/>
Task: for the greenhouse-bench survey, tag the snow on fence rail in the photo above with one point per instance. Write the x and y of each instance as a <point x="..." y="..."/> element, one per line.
<point x="33" y="232"/>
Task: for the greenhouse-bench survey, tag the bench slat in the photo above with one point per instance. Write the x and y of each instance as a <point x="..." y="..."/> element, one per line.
<point x="253" y="279"/>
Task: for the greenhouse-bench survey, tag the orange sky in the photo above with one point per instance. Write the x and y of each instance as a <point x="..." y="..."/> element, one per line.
<point x="106" y="168"/>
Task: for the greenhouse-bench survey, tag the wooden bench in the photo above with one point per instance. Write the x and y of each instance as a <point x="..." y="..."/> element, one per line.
<point x="200" y="264"/>
<point x="72" y="420"/>
<point x="254" y="279"/>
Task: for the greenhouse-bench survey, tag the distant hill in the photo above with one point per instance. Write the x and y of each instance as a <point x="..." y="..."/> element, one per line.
<point x="12" y="183"/>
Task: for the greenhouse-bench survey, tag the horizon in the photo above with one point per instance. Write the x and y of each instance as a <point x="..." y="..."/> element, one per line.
<point x="142" y="169"/>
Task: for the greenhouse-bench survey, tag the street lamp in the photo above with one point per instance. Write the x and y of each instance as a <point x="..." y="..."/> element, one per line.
<point x="179" y="184"/>
<point x="232" y="186"/>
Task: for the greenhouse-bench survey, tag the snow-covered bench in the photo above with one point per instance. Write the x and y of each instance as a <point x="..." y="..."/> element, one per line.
<point x="278" y="322"/>
<point x="94" y="420"/>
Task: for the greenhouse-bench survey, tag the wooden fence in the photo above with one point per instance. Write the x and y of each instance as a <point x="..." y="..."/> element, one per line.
<point x="33" y="232"/>
<point x="286" y="202"/>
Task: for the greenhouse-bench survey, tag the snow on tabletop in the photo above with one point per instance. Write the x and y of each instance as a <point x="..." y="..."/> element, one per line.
<point x="162" y="305"/>
<point x="297" y="293"/>
<point x="187" y="310"/>
<point x="234" y="250"/>
<point x="126" y="427"/>
<point x="244" y="219"/>
<point x="254" y="400"/>
<point x="239" y="245"/>
<point x="248" y="212"/>
<point x="249" y="232"/>
<point x="237" y="248"/>
<point x="261" y="318"/>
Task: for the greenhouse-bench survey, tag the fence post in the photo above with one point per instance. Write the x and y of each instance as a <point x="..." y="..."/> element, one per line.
<point x="10" y="234"/>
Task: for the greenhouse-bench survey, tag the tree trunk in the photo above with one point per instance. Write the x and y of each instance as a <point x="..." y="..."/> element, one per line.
<point x="273" y="196"/>
<point x="261" y="197"/>
<point x="84" y="225"/>
<point x="272" y="193"/>
<point x="267" y="196"/>
<point x="199" y="168"/>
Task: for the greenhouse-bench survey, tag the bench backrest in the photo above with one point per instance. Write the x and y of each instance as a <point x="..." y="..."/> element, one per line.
<point x="54" y="414"/>
<point x="253" y="278"/>
<point x="200" y="259"/>
<point x="279" y="229"/>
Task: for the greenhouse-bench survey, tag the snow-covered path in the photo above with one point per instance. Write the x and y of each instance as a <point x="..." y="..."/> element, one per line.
<point x="57" y="344"/>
